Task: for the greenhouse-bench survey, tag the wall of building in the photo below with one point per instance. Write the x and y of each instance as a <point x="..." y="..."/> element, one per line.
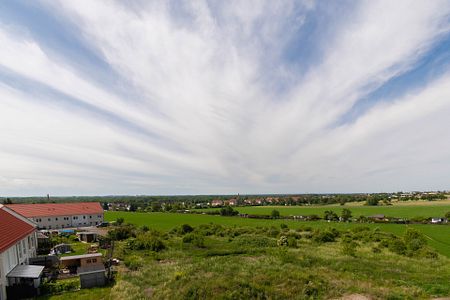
<point x="58" y="222"/>
<point x="15" y="255"/>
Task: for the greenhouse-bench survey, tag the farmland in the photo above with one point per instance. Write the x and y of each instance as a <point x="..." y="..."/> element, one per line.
<point x="438" y="235"/>
<point x="426" y="209"/>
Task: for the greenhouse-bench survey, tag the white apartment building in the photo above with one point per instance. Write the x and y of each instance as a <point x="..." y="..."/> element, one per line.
<point x="61" y="215"/>
<point x="18" y="243"/>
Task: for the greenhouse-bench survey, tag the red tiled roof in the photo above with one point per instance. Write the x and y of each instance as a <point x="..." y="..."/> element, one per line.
<point x="56" y="209"/>
<point x="12" y="229"/>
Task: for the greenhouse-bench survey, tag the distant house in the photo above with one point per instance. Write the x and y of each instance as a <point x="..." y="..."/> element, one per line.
<point x="378" y="217"/>
<point x="18" y="244"/>
<point x="438" y="220"/>
<point x="216" y="203"/>
<point x="61" y="215"/>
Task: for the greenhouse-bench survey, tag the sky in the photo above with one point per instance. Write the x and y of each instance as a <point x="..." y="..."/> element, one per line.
<point x="223" y="97"/>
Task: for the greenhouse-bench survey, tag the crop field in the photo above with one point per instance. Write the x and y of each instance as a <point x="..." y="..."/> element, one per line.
<point x="401" y="211"/>
<point x="438" y="235"/>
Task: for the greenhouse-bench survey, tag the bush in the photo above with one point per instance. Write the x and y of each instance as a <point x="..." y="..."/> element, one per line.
<point x="122" y="232"/>
<point x="147" y="241"/>
<point x="414" y="240"/>
<point x="348" y="247"/>
<point x="254" y="241"/>
<point x="186" y="228"/>
<point x="283" y="226"/>
<point x="228" y="211"/>
<point x="60" y="286"/>
<point x="325" y="236"/>
<point x="397" y="246"/>
<point x="282" y="241"/>
<point x="275" y="214"/>
<point x="194" y="239"/>
<point x="133" y="262"/>
<point x="273" y="232"/>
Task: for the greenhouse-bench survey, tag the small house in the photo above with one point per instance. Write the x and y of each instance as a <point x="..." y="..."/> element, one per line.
<point x="87" y="237"/>
<point x="91" y="276"/>
<point x="85" y="260"/>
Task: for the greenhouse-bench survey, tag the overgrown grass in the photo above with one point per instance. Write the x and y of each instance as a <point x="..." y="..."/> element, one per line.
<point x="438" y="235"/>
<point x="247" y="263"/>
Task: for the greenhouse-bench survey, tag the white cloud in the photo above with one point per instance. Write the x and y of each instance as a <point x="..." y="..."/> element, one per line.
<point x="212" y="121"/>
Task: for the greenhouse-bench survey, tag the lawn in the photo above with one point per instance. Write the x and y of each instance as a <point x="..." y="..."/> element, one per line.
<point x="438" y="235"/>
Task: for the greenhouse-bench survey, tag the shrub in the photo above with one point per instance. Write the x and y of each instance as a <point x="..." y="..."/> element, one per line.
<point x="122" y="232"/>
<point x="397" y="246"/>
<point x="282" y="241"/>
<point x="292" y="242"/>
<point x="186" y="228"/>
<point x="275" y="214"/>
<point x="194" y="239"/>
<point x="325" y="236"/>
<point x="273" y="232"/>
<point x="147" y="241"/>
<point x="228" y="211"/>
<point x="283" y="226"/>
<point x="133" y="262"/>
<point x="60" y="286"/>
<point x="414" y="240"/>
<point x="254" y="241"/>
<point x="348" y="247"/>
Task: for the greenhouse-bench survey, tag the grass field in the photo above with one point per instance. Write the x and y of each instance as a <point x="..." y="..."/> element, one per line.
<point x="402" y="211"/>
<point x="438" y="235"/>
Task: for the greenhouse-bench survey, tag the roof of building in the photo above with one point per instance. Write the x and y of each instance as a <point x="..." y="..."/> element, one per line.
<point x="80" y="256"/>
<point x="26" y="271"/>
<point x="12" y="228"/>
<point x="90" y="269"/>
<point x="57" y="209"/>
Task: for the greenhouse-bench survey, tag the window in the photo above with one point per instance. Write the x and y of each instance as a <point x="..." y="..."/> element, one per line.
<point x="84" y="217"/>
<point x="56" y="219"/>
<point x="49" y="219"/>
<point x="24" y="249"/>
<point x="29" y="242"/>
<point x="19" y="246"/>
<point x="88" y="261"/>
<point x="94" y="260"/>
<point x="90" y="217"/>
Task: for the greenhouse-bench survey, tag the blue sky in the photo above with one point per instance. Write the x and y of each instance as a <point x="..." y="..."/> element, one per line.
<point x="223" y="97"/>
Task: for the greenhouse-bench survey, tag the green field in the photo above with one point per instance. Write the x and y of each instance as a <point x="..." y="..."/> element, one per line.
<point x="439" y="235"/>
<point x="401" y="211"/>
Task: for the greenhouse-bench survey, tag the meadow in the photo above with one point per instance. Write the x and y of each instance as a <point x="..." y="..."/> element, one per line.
<point x="424" y="209"/>
<point x="211" y="261"/>
<point x="438" y="235"/>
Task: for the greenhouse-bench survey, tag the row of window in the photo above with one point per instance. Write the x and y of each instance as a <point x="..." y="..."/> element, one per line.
<point x="65" y="218"/>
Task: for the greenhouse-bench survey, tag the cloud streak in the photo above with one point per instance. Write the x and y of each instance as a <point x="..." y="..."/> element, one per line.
<point x="224" y="97"/>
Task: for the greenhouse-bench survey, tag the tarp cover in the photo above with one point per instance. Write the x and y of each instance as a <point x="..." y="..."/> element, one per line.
<point x="26" y="271"/>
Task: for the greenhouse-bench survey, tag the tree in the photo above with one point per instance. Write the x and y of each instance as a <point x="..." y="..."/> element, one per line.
<point x="133" y="207"/>
<point x="330" y="215"/>
<point x="275" y="214"/>
<point x="228" y="211"/>
<point x="346" y="214"/>
<point x="372" y="201"/>
<point x="447" y="215"/>
<point x="105" y="206"/>
<point x="7" y="201"/>
<point x="119" y="221"/>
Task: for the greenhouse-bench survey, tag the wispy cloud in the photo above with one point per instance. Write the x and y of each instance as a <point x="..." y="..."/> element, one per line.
<point x="223" y="97"/>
